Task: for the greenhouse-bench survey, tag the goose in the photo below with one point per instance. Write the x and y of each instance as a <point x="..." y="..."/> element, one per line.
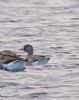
<point x="34" y="59"/>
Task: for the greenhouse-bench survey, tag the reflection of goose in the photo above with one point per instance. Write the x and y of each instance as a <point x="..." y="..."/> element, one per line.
<point x="34" y="59"/>
<point x="18" y="65"/>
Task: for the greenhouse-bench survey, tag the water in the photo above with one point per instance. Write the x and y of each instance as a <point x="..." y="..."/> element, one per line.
<point x="52" y="27"/>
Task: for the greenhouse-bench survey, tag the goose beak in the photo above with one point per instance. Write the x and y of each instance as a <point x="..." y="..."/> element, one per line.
<point x="21" y="49"/>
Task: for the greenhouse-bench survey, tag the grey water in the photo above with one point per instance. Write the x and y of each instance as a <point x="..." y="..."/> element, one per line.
<point x="52" y="27"/>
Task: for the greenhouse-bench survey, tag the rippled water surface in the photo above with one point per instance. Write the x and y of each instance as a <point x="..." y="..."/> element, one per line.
<point x="52" y="27"/>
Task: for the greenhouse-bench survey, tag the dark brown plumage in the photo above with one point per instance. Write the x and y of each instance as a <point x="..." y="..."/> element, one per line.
<point x="7" y="56"/>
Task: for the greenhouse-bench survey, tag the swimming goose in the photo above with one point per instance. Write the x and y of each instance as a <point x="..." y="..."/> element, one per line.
<point x="34" y="59"/>
<point x="10" y="61"/>
<point x="7" y="56"/>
